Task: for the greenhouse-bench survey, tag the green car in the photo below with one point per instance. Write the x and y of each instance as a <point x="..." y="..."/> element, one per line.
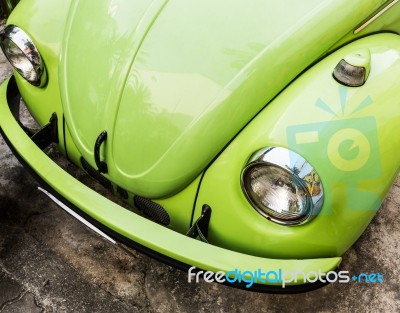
<point x="253" y="142"/>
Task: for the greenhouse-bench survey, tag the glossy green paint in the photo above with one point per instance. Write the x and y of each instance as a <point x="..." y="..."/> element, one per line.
<point x="388" y="21"/>
<point x="135" y="227"/>
<point x="222" y="85"/>
<point x="47" y="35"/>
<point x="352" y="195"/>
<point x="179" y="206"/>
<point x="227" y="63"/>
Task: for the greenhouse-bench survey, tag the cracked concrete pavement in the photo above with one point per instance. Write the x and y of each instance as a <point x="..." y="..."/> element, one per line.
<point x="51" y="263"/>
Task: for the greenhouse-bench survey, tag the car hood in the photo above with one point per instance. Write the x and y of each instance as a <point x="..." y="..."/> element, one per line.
<point x="172" y="82"/>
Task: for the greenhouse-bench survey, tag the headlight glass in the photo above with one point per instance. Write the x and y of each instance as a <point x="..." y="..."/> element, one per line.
<point x="282" y="186"/>
<point x="23" y="55"/>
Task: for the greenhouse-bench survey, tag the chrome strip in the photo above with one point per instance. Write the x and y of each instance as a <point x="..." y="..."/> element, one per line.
<point x="375" y="16"/>
<point x="79" y="218"/>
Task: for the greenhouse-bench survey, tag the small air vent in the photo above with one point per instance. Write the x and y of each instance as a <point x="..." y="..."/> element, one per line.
<point x="153" y="210"/>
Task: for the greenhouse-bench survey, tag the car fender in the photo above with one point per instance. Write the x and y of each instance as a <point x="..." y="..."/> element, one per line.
<point x="319" y="119"/>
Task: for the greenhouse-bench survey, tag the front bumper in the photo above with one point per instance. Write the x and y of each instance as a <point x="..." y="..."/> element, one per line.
<point x="133" y="230"/>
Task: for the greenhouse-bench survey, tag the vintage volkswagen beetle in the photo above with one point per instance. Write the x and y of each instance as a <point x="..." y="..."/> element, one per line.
<point x="260" y="135"/>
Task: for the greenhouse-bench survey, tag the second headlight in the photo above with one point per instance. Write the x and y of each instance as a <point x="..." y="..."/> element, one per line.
<point x="23" y="55"/>
<point x="282" y="186"/>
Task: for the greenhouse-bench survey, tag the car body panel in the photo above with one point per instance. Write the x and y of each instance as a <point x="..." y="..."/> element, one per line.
<point x="239" y="75"/>
<point x="160" y="137"/>
<point x="352" y="194"/>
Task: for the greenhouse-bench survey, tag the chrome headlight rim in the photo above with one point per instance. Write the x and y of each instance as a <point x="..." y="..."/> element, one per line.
<point x="262" y="158"/>
<point x="24" y="43"/>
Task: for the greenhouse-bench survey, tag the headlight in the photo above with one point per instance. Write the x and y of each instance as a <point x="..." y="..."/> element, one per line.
<point x="23" y="55"/>
<point x="282" y="186"/>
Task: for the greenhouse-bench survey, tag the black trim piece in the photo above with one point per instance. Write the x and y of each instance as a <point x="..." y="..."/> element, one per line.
<point x="14" y="103"/>
<point x="13" y="98"/>
<point x="65" y="139"/>
<point x="96" y="175"/>
<point x="42" y="137"/>
<point x="47" y="134"/>
<point x="195" y="198"/>
<point x="122" y="193"/>
<point x="143" y="249"/>
<point x="101" y="165"/>
<point x="200" y="227"/>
